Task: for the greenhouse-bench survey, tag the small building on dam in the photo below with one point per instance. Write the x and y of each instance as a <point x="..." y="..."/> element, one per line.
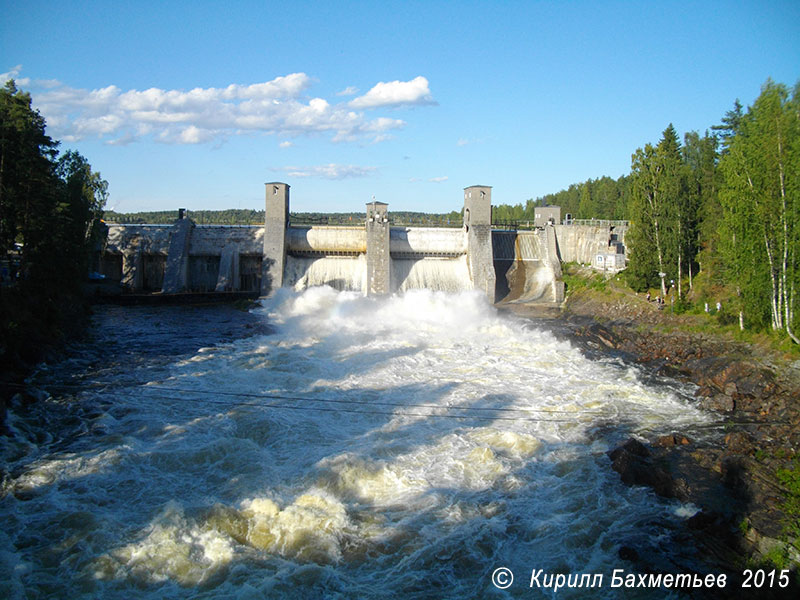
<point x="374" y="257"/>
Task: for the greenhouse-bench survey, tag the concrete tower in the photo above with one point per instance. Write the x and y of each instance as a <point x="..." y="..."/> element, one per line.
<point x="276" y="219"/>
<point x="379" y="262"/>
<point x="478" y="225"/>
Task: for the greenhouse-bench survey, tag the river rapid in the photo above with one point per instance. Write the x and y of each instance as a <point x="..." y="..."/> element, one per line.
<point x="328" y="445"/>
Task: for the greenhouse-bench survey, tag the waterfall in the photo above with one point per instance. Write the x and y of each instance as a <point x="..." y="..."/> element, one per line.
<point x="343" y="273"/>
<point x="431" y="273"/>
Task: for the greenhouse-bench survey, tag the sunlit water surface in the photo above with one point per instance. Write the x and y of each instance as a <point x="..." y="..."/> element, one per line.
<point x="354" y="448"/>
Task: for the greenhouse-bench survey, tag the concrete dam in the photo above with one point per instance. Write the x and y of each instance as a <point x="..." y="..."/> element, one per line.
<point x="373" y="258"/>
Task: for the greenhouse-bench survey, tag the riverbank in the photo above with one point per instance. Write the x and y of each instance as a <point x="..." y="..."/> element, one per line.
<point x="747" y="485"/>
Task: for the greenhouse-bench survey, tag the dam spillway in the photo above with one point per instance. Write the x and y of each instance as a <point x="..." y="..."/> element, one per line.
<point x="375" y="257"/>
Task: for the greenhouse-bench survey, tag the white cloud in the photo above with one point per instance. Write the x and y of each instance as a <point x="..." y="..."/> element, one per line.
<point x="12" y="73"/>
<point x="348" y="91"/>
<point x="195" y="135"/>
<point x="396" y="93"/>
<point x="329" y="171"/>
<point x="277" y="107"/>
<point x="439" y="179"/>
<point x="462" y="142"/>
<point x="286" y="144"/>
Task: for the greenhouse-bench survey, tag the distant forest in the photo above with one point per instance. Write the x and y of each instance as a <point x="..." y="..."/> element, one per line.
<point x="240" y="216"/>
<point x="603" y="198"/>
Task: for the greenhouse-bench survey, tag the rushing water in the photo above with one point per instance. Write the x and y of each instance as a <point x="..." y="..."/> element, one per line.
<point x="358" y="448"/>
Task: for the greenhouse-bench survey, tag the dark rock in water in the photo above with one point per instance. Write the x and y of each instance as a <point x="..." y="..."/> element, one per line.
<point x="632" y="446"/>
<point x="702" y="520"/>
<point x="629" y="554"/>
<point x="632" y="461"/>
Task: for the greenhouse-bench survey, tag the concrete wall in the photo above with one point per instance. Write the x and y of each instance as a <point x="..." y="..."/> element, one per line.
<point x="210" y="239"/>
<point x="534" y="272"/>
<point x="205" y="239"/>
<point x="582" y="243"/>
<point x="138" y="255"/>
<point x="374" y="258"/>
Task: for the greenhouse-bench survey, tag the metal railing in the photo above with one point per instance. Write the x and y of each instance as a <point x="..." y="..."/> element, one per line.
<point x="513" y="225"/>
<point x="597" y="222"/>
<point x="360" y="222"/>
<point x="325" y="220"/>
<point x="423" y="222"/>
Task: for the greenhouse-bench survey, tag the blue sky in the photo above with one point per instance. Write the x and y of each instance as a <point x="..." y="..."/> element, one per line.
<point x="198" y="104"/>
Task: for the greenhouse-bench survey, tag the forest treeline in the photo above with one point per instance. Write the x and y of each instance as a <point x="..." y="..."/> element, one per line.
<point x="244" y="216"/>
<point x="51" y="204"/>
<point x="724" y="208"/>
<point x="602" y="198"/>
<point x="714" y="218"/>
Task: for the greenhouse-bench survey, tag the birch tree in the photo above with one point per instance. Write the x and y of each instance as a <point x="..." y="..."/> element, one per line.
<point x="760" y="205"/>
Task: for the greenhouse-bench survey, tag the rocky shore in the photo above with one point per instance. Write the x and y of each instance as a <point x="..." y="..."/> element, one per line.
<point x="747" y="510"/>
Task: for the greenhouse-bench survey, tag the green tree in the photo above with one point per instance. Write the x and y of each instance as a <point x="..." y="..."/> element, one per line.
<point x="701" y="157"/>
<point x="658" y="213"/>
<point x="83" y="198"/>
<point x="48" y="208"/>
<point x="730" y="125"/>
<point x="760" y="197"/>
<point x="586" y="206"/>
<point x="27" y="191"/>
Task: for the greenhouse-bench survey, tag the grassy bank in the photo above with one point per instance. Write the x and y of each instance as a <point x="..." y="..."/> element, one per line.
<point x="610" y="298"/>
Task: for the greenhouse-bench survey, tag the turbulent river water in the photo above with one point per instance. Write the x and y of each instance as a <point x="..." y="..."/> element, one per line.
<point x="327" y="445"/>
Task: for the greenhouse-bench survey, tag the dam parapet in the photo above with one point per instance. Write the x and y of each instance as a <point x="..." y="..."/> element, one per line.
<point x="373" y="257"/>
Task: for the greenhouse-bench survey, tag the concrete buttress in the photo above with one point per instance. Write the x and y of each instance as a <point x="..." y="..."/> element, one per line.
<point x="276" y="220"/>
<point x="379" y="261"/>
<point x="478" y="225"/>
<point x="176" y="271"/>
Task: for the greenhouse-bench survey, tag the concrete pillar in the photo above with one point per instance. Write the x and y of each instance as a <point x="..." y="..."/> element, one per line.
<point x="132" y="267"/>
<point x="276" y="220"/>
<point x="551" y="247"/>
<point x="379" y="261"/>
<point x="478" y="225"/>
<point x="228" y="278"/>
<point x="176" y="271"/>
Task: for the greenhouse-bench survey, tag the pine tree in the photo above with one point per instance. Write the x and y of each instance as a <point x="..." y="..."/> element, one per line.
<point x="658" y="213"/>
<point x="700" y="157"/>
